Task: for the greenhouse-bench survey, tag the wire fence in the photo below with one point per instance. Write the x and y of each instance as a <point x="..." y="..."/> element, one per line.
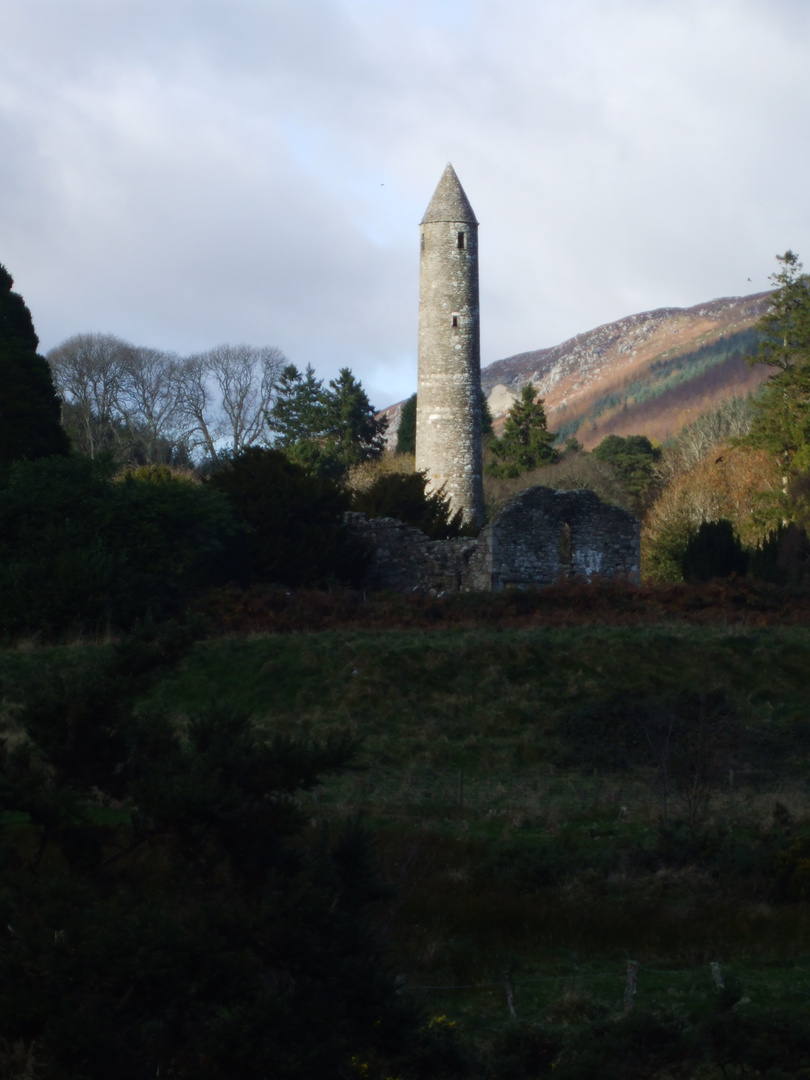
<point x="634" y="979"/>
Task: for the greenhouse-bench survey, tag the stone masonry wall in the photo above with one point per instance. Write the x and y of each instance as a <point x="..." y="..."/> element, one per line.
<point x="403" y="559"/>
<point x="540" y="537"/>
<point x="544" y="535"/>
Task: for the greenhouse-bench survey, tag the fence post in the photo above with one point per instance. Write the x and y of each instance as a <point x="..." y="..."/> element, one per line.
<point x="507" y="985"/>
<point x="630" y="985"/>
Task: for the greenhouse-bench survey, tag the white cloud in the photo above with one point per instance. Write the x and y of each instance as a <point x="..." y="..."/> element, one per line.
<point x="187" y="172"/>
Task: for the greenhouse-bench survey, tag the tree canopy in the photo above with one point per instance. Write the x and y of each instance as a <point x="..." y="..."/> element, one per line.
<point x="526" y="442"/>
<point x="29" y="407"/>
<point x="328" y="430"/>
<point x="781" y="422"/>
<point x="84" y="549"/>
<point x="148" y="406"/>
<point x="634" y="458"/>
<point x="293" y="531"/>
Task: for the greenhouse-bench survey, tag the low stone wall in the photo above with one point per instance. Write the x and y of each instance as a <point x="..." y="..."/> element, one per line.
<point x="405" y="560"/>
<point x="540" y="537"/>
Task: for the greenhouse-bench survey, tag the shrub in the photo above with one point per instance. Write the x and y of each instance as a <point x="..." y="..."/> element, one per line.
<point x="292" y="522"/>
<point x="82" y="551"/>
<point x="634" y="1047"/>
<point x="167" y="918"/>
<point x="521" y="1051"/>
<point x="714" y="551"/>
<point x="404" y="496"/>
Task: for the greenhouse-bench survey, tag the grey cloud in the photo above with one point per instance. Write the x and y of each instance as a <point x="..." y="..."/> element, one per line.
<point x="188" y="172"/>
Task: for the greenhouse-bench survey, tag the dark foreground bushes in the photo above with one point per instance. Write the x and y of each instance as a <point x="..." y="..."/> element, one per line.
<point x="83" y="550"/>
<point x="291" y="522"/>
<point x="164" y="917"/>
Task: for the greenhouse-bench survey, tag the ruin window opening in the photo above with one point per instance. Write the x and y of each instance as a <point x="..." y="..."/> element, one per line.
<point x="455" y="322"/>
<point x="461" y="241"/>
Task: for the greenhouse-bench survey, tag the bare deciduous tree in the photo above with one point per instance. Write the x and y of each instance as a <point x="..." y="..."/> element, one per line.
<point x="147" y="403"/>
<point x="150" y="400"/>
<point x="225" y="394"/>
<point x="89" y="371"/>
<point x="732" y="420"/>
<point x="197" y="405"/>
<point x="245" y="377"/>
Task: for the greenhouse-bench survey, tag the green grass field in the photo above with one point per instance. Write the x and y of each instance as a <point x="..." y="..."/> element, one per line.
<point x="513" y="781"/>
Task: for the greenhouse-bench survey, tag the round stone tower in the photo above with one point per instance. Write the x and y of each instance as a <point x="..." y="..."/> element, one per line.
<point x="448" y="402"/>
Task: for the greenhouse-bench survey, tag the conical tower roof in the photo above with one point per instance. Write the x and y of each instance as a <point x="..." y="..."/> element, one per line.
<point x="449" y="202"/>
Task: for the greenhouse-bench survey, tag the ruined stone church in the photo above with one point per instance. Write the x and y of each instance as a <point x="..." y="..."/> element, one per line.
<point x="542" y="535"/>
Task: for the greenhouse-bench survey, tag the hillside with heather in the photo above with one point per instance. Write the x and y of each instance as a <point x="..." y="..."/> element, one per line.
<point x="650" y="373"/>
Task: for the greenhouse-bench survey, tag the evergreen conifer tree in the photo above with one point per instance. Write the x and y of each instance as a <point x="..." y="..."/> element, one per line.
<point x="355" y="432"/>
<point x="406" y="432"/>
<point x="526" y="442"/>
<point x="299" y="409"/>
<point x="782" y="411"/>
<point x="633" y="458"/>
<point x="29" y="407"/>
<point x="328" y="431"/>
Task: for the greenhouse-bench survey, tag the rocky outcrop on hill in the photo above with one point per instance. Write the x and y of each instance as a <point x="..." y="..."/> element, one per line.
<point x="596" y="366"/>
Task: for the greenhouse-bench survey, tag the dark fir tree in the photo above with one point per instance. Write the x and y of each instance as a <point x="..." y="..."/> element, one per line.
<point x="633" y="458"/>
<point x="299" y="409"/>
<point x="326" y="430"/>
<point x="526" y="442"/>
<point x="356" y="434"/>
<point x="781" y="416"/>
<point x="29" y="407"/>
<point x="406" y="432"/>
<point x="713" y="551"/>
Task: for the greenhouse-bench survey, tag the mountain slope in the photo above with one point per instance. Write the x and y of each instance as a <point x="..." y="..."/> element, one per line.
<point x="647" y="374"/>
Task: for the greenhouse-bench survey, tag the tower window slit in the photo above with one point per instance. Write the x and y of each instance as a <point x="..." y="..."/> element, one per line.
<point x="455" y="322"/>
<point x="461" y="241"/>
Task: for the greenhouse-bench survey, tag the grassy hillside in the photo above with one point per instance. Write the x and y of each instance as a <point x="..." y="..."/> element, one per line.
<point x="513" y="779"/>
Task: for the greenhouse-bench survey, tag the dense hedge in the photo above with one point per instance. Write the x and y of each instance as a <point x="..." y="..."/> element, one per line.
<point x="83" y="551"/>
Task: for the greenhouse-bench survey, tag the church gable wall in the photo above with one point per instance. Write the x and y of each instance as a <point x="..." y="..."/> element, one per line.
<point x="545" y="535"/>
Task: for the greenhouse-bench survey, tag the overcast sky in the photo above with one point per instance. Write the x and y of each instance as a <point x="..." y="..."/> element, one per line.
<point x="184" y="173"/>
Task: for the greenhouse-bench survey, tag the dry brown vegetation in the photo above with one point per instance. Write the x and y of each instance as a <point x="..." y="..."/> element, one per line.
<point x="265" y="609"/>
<point x="730" y="482"/>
